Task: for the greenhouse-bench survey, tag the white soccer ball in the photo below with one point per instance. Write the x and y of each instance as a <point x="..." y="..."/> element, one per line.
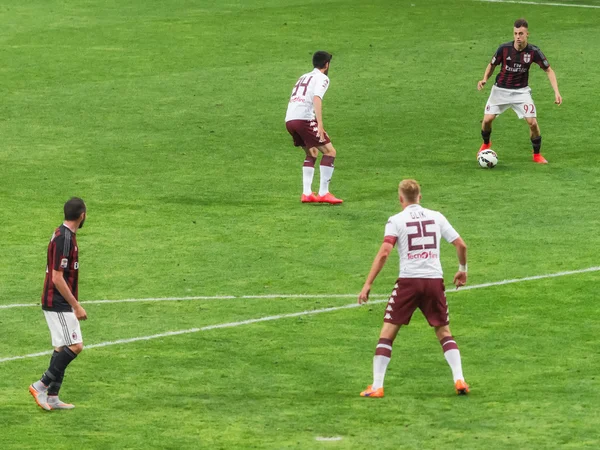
<point x="487" y="159"/>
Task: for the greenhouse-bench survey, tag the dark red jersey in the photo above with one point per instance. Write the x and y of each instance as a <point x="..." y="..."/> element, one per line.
<point x="514" y="73"/>
<point x="63" y="257"/>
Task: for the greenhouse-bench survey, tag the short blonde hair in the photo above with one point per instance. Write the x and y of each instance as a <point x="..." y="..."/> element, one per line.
<point x="410" y="190"/>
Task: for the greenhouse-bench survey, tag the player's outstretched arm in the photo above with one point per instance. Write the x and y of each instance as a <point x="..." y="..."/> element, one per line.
<point x="489" y="70"/>
<point x="378" y="263"/>
<point x="460" y="279"/>
<point x="63" y="288"/>
<point x="554" y="83"/>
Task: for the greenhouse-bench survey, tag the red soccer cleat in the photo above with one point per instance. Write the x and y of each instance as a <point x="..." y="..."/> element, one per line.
<point x="329" y="198"/>
<point x="537" y="158"/>
<point x="370" y="392"/>
<point x="484" y="146"/>
<point x="461" y="387"/>
<point x="312" y="198"/>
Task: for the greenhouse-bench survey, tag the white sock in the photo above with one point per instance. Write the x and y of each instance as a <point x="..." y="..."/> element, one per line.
<point x="326" y="174"/>
<point x="453" y="358"/>
<point x="380" y="364"/>
<point x="307" y="178"/>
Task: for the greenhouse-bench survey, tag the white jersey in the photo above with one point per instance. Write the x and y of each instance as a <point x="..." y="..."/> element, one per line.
<point x="301" y="105"/>
<point x="417" y="232"/>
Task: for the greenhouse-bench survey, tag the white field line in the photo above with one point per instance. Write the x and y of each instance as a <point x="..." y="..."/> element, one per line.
<point x="296" y="296"/>
<point x="286" y="316"/>
<point x="541" y="3"/>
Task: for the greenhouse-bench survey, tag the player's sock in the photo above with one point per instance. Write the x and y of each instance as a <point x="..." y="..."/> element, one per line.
<point x="45" y="382"/>
<point x="486" y="136"/>
<point x="60" y="363"/>
<point x="308" y="172"/>
<point x="55" y="385"/>
<point x="452" y="356"/>
<point x="326" y="168"/>
<point x="536" y="142"/>
<point x="383" y="354"/>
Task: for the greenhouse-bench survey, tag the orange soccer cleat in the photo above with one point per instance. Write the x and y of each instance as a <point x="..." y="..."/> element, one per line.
<point x="370" y="392"/>
<point x="537" y="158"/>
<point x="312" y="198"/>
<point x="484" y="146"/>
<point x="329" y="198"/>
<point x="461" y="387"/>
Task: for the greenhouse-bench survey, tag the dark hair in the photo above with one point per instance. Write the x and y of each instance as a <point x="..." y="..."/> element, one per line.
<point x="73" y="208"/>
<point x="321" y="58"/>
<point x="521" y="23"/>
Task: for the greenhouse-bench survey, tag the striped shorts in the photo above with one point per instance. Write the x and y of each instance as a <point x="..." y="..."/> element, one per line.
<point x="64" y="328"/>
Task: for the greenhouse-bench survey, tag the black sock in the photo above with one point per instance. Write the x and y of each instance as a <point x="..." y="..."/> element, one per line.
<point x="537" y="144"/>
<point x="55" y="385"/>
<point x="486" y="136"/>
<point x="56" y="371"/>
<point x="45" y="379"/>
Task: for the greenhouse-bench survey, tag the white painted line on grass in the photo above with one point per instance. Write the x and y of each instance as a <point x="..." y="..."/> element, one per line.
<point x="296" y="296"/>
<point x="288" y="315"/>
<point x="541" y="3"/>
<point x="332" y="438"/>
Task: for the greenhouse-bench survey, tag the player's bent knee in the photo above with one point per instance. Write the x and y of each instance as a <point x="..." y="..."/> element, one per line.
<point x="327" y="150"/>
<point x="312" y="151"/>
<point x="442" y="332"/>
<point x="76" y="348"/>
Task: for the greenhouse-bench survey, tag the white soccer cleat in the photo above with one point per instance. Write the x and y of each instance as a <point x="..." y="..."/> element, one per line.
<point x="41" y="398"/>
<point x="55" y="403"/>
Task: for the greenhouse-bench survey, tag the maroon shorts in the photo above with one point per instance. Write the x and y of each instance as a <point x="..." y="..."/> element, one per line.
<point x="304" y="133"/>
<point x="427" y="294"/>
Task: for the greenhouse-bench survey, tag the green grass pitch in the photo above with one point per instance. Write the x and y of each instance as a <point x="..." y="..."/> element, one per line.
<point x="167" y="118"/>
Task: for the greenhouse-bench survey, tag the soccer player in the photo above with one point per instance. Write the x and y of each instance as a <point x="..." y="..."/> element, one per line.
<point x="61" y="307"/>
<point x="304" y="121"/>
<point x="511" y="89"/>
<point x="417" y="232"/>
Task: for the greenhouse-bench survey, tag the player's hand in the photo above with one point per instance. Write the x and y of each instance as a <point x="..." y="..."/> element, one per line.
<point x="321" y="133"/>
<point x="460" y="279"/>
<point x="80" y="313"/>
<point x="363" y="297"/>
<point x="481" y="84"/>
<point x="557" y="99"/>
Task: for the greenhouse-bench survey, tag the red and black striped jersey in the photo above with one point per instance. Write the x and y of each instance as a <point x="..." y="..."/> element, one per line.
<point x="63" y="256"/>
<point x="514" y="73"/>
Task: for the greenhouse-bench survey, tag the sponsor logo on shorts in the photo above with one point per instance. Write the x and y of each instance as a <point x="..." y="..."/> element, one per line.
<point x="74" y="335"/>
<point x="423" y="255"/>
<point x="64" y="263"/>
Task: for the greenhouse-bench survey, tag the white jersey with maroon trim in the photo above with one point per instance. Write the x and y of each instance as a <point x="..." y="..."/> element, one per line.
<point x="308" y="85"/>
<point x="417" y="232"/>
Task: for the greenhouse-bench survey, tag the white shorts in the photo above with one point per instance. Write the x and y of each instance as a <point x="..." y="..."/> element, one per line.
<point x="64" y="328"/>
<point x="519" y="100"/>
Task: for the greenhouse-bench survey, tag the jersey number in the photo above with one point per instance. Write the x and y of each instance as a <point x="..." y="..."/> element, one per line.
<point x="300" y="84"/>
<point x="529" y="108"/>
<point x="421" y="233"/>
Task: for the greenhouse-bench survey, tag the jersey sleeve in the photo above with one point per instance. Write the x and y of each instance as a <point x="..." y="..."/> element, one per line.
<point x="391" y="232"/>
<point x="540" y="59"/>
<point x="62" y="249"/>
<point x="322" y="86"/>
<point x="447" y="231"/>
<point x="497" y="58"/>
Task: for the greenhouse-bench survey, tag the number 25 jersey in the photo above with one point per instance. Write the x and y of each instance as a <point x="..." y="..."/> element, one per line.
<point x="417" y="232"/>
